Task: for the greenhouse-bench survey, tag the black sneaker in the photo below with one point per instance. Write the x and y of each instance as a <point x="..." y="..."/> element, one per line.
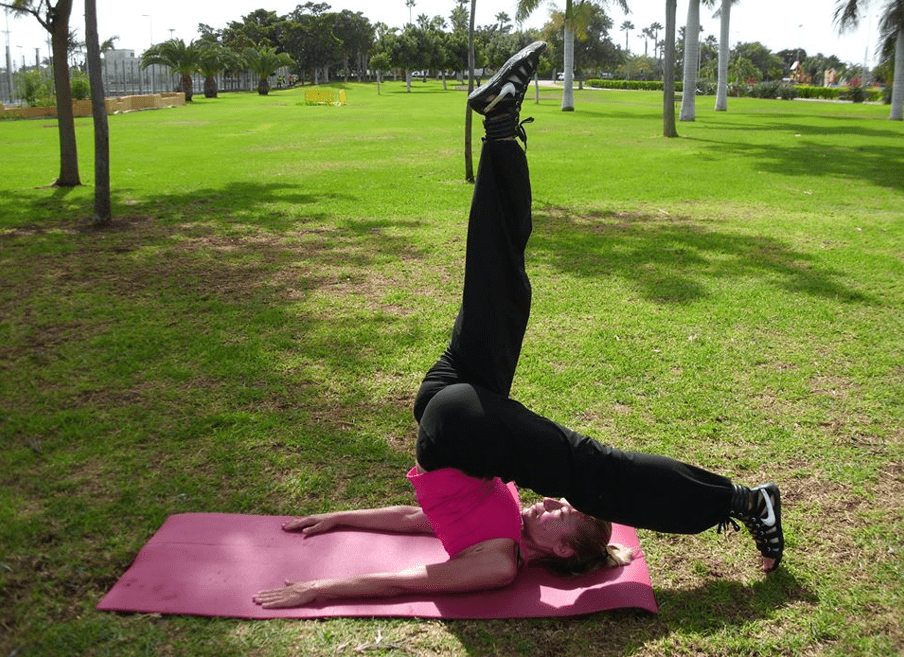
<point x="503" y="93"/>
<point x="760" y="509"/>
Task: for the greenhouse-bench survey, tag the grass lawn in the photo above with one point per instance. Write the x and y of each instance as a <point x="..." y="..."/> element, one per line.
<point x="249" y="335"/>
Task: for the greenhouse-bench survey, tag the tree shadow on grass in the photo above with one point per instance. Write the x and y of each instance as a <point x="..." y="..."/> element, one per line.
<point x="880" y="165"/>
<point x="872" y="149"/>
<point x="246" y="313"/>
<point x="225" y="353"/>
<point x="670" y="260"/>
<point x="835" y="125"/>
<point x="702" y="611"/>
<point x="233" y="203"/>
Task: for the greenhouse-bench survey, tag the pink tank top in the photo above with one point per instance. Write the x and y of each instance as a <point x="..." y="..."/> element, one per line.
<point x="465" y="511"/>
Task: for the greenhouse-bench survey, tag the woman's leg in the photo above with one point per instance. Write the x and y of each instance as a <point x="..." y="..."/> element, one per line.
<point x="488" y="332"/>
<point x="487" y="435"/>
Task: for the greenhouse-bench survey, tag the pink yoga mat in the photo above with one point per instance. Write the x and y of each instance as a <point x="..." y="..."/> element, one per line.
<point x="211" y="564"/>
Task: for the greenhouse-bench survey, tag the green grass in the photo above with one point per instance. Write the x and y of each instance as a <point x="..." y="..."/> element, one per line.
<point x="249" y="334"/>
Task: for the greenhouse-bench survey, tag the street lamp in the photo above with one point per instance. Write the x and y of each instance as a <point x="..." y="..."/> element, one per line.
<point x="150" y="27"/>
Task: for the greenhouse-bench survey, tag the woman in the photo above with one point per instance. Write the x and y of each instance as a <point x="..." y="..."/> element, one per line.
<point x="472" y="437"/>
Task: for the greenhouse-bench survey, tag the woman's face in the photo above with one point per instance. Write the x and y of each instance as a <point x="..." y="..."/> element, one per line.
<point x="550" y="523"/>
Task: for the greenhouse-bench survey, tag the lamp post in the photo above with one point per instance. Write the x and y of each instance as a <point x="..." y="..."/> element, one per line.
<point x="9" y="60"/>
<point x="151" y="34"/>
<point x="150" y="27"/>
<point x="864" y="78"/>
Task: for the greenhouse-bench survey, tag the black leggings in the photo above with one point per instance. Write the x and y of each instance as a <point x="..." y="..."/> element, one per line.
<point x="467" y="421"/>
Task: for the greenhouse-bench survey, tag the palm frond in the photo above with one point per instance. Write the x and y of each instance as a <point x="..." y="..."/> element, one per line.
<point x="525" y="9"/>
<point x="847" y="13"/>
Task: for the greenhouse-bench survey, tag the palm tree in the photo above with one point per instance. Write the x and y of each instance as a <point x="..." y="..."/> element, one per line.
<point x="647" y="34"/>
<point x="691" y="57"/>
<point x="724" y="52"/>
<point x="626" y="27"/>
<point x="891" y="26"/>
<point x="469" y="163"/>
<point x="109" y="44"/>
<point x="577" y="17"/>
<point x="655" y="28"/>
<point x="214" y="59"/>
<point x="668" y="71"/>
<point x="264" y="61"/>
<point x="181" y="58"/>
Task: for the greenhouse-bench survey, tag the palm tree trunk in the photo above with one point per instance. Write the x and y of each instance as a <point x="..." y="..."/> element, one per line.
<point x="65" y="121"/>
<point x="897" y="90"/>
<point x="691" y="51"/>
<point x="568" y="90"/>
<point x="668" y="68"/>
<point x="469" y="161"/>
<point x="722" y="90"/>
<point x="187" y="86"/>
<point x="103" y="213"/>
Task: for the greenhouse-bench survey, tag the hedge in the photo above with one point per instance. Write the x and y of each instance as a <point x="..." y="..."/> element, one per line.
<point x="759" y="90"/>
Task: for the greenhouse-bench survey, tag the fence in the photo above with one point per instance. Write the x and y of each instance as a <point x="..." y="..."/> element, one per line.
<point x="126" y="78"/>
<point x="84" y="107"/>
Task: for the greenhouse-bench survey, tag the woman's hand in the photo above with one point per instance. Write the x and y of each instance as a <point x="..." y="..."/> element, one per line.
<point x="293" y="594"/>
<point x="310" y="525"/>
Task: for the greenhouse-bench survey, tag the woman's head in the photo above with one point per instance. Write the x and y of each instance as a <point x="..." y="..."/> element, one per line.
<point x="568" y="542"/>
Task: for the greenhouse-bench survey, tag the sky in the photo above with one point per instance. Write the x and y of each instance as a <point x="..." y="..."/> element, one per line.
<point x="777" y="24"/>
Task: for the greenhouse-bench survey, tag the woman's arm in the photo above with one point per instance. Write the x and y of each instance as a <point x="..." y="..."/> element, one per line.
<point x="402" y="519"/>
<point x="492" y="566"/>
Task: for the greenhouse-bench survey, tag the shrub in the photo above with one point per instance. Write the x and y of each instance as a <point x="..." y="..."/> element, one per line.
<point x="856" y="93"/>
<point x="33" y="87"/>
<point x="826" y="93"/>
<point x="773" y="89"/>
<point x="707" y="88"/>
<point x="81" y="88"/>
<point x="642" y="85"/>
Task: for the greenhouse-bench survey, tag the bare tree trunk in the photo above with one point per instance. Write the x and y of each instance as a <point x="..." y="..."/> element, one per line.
<point x="722" y="89"/>
<point x="469" y="164"/>
<point x="897" y="89"/>
<point x="65" y="121"/>
<point x="691" y="50"/>
<point x="103" y="213"/>
<point x="668" y="72"/>
<point x="568" y="86"/>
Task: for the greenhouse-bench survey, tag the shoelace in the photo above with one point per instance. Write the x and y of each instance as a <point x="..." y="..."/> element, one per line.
<point x="762" y="529"/>
<point x="726" y="524"/>
<point x="521" y="133"/>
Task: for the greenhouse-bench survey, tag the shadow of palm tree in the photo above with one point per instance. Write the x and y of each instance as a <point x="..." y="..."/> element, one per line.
<point x="670" y="260"/>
